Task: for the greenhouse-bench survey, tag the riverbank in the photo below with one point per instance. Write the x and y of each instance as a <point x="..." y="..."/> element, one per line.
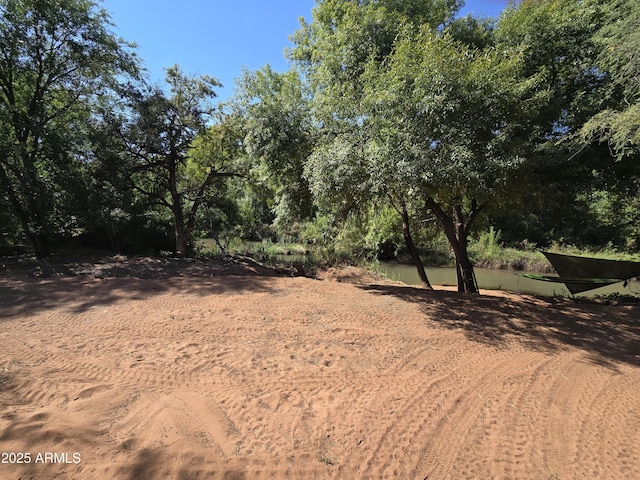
<point x="149" y="368"/>
<point x="485" y="252"/>
<point x="496" y="267"/>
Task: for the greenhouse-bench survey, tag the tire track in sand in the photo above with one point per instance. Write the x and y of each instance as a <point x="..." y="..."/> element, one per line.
<point x="443" y="405"/>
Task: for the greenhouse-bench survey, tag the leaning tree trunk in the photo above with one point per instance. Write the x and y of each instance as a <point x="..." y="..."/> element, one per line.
<point x="413" y="251"/>
<point x="464" y="270"/>
<point x="456" y="228"/>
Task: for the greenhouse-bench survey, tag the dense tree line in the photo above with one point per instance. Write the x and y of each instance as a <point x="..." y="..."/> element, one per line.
<point x="398" y="122"/>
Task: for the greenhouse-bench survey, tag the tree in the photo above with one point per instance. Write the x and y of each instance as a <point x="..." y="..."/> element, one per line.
<point x="416" y="109"/>
<point x="177" y="146"/>
<point x="450" y="116"/>
<point x="279" y="138"/>
<point x="56" y="58"/>
<point x="579" y="145"/>
<point x="334" y="51"/>
<point x="619" y="40"/>
<point x="617" y="125"/>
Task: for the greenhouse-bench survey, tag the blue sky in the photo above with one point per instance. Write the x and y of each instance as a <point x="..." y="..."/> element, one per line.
<point x="220" y="37"/>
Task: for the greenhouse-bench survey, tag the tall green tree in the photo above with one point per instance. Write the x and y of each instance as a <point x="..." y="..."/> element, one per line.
<point x="279" y="137"/>
<point x="334" y="51"/>
<point x="56" y="58"/>
<point x="417" y="109"/>
<point x="177" y="145"/>
<point x="444" y="120"/>
<point x="576" y="148"/>
<point x="617" y="125"/>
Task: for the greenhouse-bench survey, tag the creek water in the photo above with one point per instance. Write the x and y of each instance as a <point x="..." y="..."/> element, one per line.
<point x="500" y="280"/>
<point x="488" y="279"/>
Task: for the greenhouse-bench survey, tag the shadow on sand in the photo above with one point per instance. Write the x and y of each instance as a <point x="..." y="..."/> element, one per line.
<point x="151" y="463"/>
<point x="28" y="286"/>
<point x="606" y="333"/>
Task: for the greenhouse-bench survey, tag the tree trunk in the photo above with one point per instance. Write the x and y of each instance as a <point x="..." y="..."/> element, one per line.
<point x="181" y="231"/>
<point x="457" y="230"/>
<point x="464" y="270"/>
<point x="181" y="240"/>
<point x="176" y="208"/>
<point x="40" y="246"/>
<point x="38" y="241"/>
<point x="415" y="256"/>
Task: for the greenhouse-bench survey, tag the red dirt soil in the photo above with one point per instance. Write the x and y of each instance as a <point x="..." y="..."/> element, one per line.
<point x="192" y="370"/>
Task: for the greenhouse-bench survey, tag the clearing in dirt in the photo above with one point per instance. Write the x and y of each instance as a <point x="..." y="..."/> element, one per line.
<point x="152" y="369"/>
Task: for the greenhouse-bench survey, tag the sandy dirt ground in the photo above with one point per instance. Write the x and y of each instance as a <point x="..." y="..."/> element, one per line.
<point x="145" y="369"/>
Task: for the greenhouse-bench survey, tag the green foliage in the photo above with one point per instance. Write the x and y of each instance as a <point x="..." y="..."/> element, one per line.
<point x="319" y="231"/>
<point x="474" y="32"/>
<point x="372" y="234"/>
<point x="619" y="128"/>
<point x="506" y="258"/>
<point x="383" y="236"/>
<point x="556" y="41"/>
<point x="344" y="36"/>
<point x="413" y="112"/>
<point x="10" y="234"/>
<point x="398" y="125"/>
<point x="446" y="119"/>
<point x="572" y="45"/>
<point x="490" y="241"/>
<point x="618" y="40"/>
<point x="279" y="136"/>
<point x="613" y="220"/>
<point x="178" y="152"/>
<point x="57" y="59"/>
